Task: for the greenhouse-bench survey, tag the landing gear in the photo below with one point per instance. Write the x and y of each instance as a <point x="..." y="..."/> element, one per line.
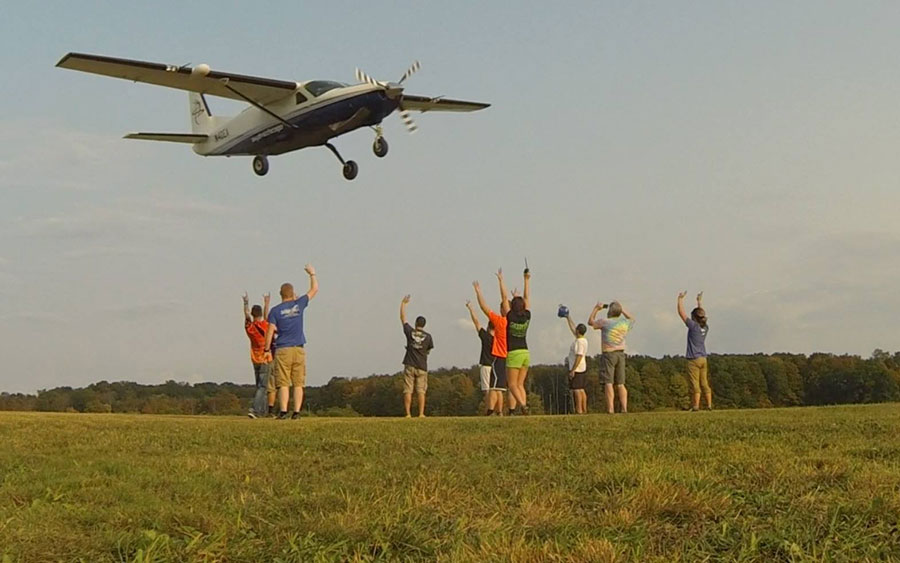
<point x="260" y="165"/>
<point x="350" y="169"/>
<point x="380" y="147"/>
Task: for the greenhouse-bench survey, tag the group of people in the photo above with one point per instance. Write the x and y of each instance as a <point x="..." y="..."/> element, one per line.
<point x="277" y="351"/>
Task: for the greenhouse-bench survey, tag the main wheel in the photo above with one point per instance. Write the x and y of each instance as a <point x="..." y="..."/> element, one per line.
<point x="350" y="170"/>
<point x="260" y="165"/>
<point x="380" y="147"/>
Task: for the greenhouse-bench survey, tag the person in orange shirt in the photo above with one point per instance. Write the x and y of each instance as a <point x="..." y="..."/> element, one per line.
<point x="498" y="382"/>
<point x="255" y="325"/>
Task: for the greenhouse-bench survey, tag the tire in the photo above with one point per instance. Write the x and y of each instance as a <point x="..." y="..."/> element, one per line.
<point x="380" y="147"/>
<point x="260" y="165"/>
<point x="350" y="170"/>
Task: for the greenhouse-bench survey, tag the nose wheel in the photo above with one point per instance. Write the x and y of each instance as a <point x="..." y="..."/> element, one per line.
<point x="350" y="169"/>
<point x="260" y="165"/>
<point x="380" y="147"/>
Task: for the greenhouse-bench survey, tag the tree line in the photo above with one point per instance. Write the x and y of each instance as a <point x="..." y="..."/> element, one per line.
<point x="738" y="381"/>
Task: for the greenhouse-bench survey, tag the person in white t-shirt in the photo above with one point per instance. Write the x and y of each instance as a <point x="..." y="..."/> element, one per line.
<point x="577" y="364"/>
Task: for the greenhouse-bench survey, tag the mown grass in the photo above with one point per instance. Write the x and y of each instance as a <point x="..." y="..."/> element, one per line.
<point x="762" y="485"/>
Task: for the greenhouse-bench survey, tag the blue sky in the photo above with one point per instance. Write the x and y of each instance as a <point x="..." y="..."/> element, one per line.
<point x="632" y="150"/>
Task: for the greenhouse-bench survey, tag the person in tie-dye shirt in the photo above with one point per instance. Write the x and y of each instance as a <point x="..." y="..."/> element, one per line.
<point x="613" y="329"/>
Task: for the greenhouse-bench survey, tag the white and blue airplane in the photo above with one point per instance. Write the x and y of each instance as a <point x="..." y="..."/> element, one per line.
<point x="283" y="116"/>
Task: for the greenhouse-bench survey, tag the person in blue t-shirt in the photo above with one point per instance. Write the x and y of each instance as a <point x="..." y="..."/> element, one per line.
<point x="290" y="356"/>
<point x="698" y="368"/>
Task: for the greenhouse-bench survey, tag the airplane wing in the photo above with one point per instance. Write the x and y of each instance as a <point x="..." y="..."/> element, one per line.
<point x="198" y="79"/>
<point x="422" y="103"/>
<point x="170" y="137"/>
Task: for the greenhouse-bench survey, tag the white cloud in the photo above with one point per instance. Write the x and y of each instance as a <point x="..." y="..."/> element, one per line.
<point x="35" y="316"/>
<point x="42" y="155"/>
<point x="142" y="311"/>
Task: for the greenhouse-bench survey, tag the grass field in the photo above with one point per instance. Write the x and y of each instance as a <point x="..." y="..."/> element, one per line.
<point x="762" y="485"/>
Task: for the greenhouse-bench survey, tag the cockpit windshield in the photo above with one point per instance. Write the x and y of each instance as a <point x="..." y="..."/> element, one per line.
<point x="319" y="87"/>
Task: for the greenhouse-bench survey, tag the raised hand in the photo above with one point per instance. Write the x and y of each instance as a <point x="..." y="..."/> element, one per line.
<point x="406" y="299"/>
<point x="499" y="273"/>
<point x="468" y="305"/>
<point x="476" y="285"/>
<point x="682" y="294"/>
<point x="266" y="297"/>
<point x="310" y="270"/>
<point x="699" y="297"/>
<point x="245" y="298"/>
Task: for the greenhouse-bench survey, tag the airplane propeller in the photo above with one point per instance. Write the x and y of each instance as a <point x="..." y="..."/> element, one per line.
<point x="394" y="90"/>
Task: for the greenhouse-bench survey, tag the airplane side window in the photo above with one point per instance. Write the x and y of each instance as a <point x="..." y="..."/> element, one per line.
<point x="300" y="98"/>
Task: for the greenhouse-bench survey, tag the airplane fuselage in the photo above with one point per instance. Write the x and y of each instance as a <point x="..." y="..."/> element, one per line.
<point x="313" y="119"/>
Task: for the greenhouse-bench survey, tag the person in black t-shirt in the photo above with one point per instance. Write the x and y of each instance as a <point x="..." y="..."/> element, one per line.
<point x="492" y="383"/>
<point x="518" y="358"/>
<point x="415" y="363"/>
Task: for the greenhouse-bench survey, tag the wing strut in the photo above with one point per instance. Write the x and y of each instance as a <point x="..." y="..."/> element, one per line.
<point x="256" y="104"/>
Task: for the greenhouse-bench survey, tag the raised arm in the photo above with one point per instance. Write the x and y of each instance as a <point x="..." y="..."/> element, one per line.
<point x="597" y="308"/>
<point x="480" y="298"/>
<point x="313" y="281"/>
<point x="403" y="309"/>
<point x="266" y="299"/>
<point x="247" y="319"/>
<point x="527" y="291"/>
<point x="474" y="317"/>
<point x="681" y="312"/>
<point x="571" y="324"/>
<point x="504" y="293"/>
<point x="700" y="300"/>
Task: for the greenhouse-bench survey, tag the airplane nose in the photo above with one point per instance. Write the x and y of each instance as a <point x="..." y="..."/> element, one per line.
<point x="393" y="90"/>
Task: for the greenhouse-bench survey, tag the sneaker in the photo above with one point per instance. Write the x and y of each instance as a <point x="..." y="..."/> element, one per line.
<point x="283" y="415"/>
<point x="709" y="408"/>
<point x="523" y="410"/>
<point x="490" y="412"/>
<point x="295" y="416"/>
<point x="251" y="414"/>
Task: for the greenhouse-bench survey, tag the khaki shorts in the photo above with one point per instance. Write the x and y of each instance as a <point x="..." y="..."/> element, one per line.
<point x="698" y="370"/>
<point x="612" y="367"/>
<point x="414" y="378"/>
<point x="290" y="367"/>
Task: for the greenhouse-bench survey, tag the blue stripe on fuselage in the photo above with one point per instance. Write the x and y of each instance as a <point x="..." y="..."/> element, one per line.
<point x="310" y="122"/>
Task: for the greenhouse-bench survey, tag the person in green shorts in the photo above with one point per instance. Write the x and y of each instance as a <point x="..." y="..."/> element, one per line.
<point x="517" y="357"/>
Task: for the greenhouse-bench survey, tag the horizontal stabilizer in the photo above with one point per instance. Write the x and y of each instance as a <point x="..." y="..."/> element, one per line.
<point x="169" y="137"/>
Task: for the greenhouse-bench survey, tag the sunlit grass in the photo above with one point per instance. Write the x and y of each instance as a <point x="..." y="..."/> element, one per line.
<point x="762" y="485"/>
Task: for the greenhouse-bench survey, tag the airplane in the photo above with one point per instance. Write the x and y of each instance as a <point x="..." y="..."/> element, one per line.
<point x="283" y="116"/>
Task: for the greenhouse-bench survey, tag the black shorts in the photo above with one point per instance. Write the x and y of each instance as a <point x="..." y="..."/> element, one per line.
<point x="579" y="381"/>
<point x="498" y="374"/>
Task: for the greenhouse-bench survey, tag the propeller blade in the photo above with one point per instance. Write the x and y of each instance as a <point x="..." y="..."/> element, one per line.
<point x="410" y="71"/>
<point x="363" y="77"/>
<point x="407" y="120"/>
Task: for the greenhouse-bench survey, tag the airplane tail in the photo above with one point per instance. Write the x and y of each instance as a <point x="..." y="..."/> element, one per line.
<point x="201" y="117"/>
